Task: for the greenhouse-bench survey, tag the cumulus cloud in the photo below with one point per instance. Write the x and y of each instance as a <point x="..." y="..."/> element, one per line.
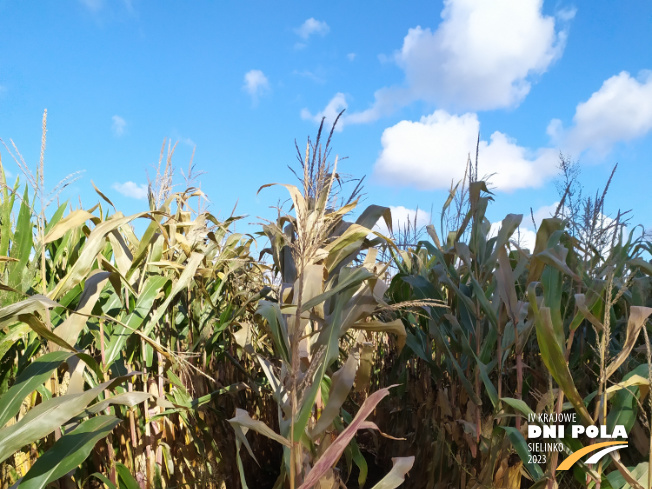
<point x="482" y="56"/>
<point x="388" y="101"/>
<point x="401" y="216"/>
<point x="310" y="27"/>
<point x="131" y="189"/>
<point x="620" y="111"/>
<point x="255" y="84"/>
<point x="432" y="152"/>
<point x="119" y="125"/>
<point x="336" y="105"/>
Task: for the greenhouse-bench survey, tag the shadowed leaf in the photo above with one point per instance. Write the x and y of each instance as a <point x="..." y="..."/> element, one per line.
<point x="68" y="452"/>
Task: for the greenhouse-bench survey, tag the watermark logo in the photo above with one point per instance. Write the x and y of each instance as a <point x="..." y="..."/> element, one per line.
<point x="557" y="426"/>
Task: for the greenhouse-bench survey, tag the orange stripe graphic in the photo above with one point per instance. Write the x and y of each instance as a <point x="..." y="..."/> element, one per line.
<point x="571" y="459"/>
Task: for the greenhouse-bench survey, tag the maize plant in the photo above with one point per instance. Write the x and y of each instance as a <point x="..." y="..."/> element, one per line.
<point x="520" y="330"/>
<point x="153" y="350"/>
<point x="320" y="322"/>
<point x="106" y="335"/>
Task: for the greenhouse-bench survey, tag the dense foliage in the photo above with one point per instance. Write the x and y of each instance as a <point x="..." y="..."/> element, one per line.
<point x="338" y="357"/>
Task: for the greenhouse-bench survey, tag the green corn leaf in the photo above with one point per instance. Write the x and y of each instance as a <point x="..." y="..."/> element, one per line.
<point x="182" y="283"/>
<point x="33" y="376"/>
<point x="518" y="405"/>
<point x="128" y="399"/>
<point x="272" y="313"/>
<point x="353" y="279"/>
<point x="360" y="461"/>
<point x="94" y="245"/>
<point x="329" y="338"/>
<point x="520" y="445"/>
<point x="345" y="245"/>
<point x="43" y="419"/>
<point x="144" y="304"/>
<point x="56" y="217"/>
<point x="22" y="244"/>
<point x="553" y="357"/>
<point x="68" y="452"/>
<point x="125" y="479"/>
<point x="332" y="454"/>
<point x="6" y="206"/>
<point x="69" y="329"/>
<point x="625" y="402"/>
<point x="13" y="335"/>
<point x="42" y="330"/>
<point x="103" y="478"/>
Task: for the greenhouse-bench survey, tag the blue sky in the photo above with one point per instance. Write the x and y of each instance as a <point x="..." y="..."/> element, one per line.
<point x="242" y="80"/>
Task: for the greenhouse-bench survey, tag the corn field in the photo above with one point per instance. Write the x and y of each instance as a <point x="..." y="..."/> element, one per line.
<point x="318" y="352"/>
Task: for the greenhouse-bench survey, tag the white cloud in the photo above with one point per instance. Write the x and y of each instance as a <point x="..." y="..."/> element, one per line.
<point x="312" y="26"/>
<point x="482" y="56"/>
<point x="525" y="237"/>
<point x="621" y="110"/>
<point x="566" y="14"/>
<point x="400" y="218"/>
<point x="119" y="125"/>
<point x="131" y="189"/>
<point x="432" y="152"/>
<point x="92" y="5"/>
<point x="351" y="56"/>
<point x="334" y="107"/>
<point x="388" y="101"/>
<point x="311" y="75"/>
<point x="255" y="84"/>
